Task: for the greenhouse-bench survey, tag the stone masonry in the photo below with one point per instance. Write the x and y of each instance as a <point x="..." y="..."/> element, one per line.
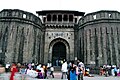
<point x="94" y="38"/>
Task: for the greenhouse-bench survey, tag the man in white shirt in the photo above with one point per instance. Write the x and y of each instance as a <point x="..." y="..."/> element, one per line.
<point x="64" y="70"/>
<point x="51" y="71"/>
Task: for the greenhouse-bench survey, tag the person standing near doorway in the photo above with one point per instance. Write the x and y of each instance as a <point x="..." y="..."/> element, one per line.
<point x="64" y="70"/>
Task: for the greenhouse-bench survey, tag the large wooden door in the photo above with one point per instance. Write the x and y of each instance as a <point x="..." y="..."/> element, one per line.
<point x="58" y="53"/>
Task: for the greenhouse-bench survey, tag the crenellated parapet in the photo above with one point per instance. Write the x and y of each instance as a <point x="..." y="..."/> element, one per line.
<point x="19" y="16"/>
<point x="100" y="16"/>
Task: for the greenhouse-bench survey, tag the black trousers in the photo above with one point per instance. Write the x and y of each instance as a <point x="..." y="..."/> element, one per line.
<point x="64" y="75"/>
<point x="51" y="73"/>
<point x="80" y="76"/>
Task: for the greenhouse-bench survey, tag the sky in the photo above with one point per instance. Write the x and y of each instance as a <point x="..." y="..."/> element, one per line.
<point x="87" y="6"/>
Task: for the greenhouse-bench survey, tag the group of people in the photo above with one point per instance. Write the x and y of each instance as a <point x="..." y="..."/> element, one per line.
<point x="74" y="70"/>
<point x="108" y="70"/>
<point x="39" y="71"/>
<point x="71" y="70"/>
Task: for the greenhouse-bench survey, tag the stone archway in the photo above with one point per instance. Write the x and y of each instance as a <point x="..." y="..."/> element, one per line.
<point x="58" y="53"/>
<point x="58" y="49"/>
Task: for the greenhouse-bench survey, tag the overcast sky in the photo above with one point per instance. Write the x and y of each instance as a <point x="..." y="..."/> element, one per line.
<point x="86" y="6"/>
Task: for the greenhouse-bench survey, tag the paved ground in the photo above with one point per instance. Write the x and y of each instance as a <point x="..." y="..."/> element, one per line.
<point x="96" y="77"/>
<point x="101" y="78"/>
<point x="5" y="76"/>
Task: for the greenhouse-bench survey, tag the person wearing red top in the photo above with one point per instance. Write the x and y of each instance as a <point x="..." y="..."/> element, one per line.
<point x="13" y="71"/>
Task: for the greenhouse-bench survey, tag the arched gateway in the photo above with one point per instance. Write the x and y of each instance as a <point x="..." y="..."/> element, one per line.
<point x="59" y="50"/>
<point x="94" y="37"/>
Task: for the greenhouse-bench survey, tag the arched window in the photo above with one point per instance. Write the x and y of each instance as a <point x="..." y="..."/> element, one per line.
<point x="54" y="18"/>
<point x="71" y="18"/>
<point x="49" y="17"/>
<point x="59" y="17"/>
<point x="65" y="18"/>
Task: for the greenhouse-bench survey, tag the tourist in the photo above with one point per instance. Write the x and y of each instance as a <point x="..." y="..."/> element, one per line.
<point x="45" y="71"/>
<point x="51" y="71"/>
<point x="7" y="66"/>
<point x="13" y="71"/>
<point x="73" y="71"/>
<point x="64" y="70"/>
<point x="115" y="71"/>
<point x="81" y="70"/>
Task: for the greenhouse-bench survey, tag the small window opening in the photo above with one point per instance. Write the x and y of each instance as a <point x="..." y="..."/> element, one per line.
<point x="24" y="15"/>
<point x="10" y="13"/>
<point x="65" y="18"/>
<point x="94" y="16"/>
<point x="70" y="18"/>
<point x="59" y="17"/>
<point x="48" y="17"/>
<point x="67" y="34"/>
<point x="54" y="18"/>
<point x="110" y="15"/>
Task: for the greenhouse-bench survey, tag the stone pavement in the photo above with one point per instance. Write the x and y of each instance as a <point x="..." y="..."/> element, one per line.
<point x="5" y="76"/>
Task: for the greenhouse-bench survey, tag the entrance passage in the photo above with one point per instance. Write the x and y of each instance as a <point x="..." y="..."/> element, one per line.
<point x="58" y="53"/>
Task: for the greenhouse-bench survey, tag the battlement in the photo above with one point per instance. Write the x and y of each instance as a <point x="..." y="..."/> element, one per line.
<point x="19" y="14"/>
<point x="100" y="15"/>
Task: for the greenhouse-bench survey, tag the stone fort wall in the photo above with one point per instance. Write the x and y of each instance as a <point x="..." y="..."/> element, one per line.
<point x="99" y="37"/>
<point x="21" y="36"/>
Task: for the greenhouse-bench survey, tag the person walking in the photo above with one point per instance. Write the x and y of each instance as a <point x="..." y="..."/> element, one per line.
<point x="51" y="71"/>
<point x="81" y="70"/>
<point x="64" y="70"/>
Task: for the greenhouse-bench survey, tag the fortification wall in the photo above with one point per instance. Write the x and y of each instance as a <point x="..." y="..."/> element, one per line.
<point x="21" y="36"/>
<point x="101" y="37"/>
